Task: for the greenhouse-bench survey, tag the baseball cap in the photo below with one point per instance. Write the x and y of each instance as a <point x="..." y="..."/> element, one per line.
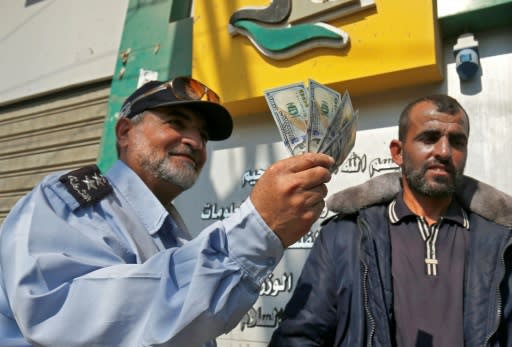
<point x="182" y="91"/>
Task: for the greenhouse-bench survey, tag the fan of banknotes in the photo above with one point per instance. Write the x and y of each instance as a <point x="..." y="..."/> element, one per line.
<point x="314" y="119"/>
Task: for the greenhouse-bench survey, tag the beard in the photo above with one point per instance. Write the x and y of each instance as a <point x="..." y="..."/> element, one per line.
<point x="182" y="175"/>
<point x="439" y="186"/>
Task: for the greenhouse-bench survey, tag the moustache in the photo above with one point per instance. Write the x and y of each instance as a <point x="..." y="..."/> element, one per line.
<point x="186" y="151"/>
<point x="447" y="164"/>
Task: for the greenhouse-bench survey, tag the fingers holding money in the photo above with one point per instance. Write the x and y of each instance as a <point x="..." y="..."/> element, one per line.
<point x="290" y="195"/>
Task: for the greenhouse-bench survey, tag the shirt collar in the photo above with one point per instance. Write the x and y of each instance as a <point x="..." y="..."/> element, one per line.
<point x="398" y="210"/>
<point x="143" y="202"/>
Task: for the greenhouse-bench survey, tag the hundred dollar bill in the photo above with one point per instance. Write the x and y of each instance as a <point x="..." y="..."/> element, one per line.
<point x="344" y="142"/>
<point x="289" y="107"/>
<point x="344" y="114"/>
<point x="323" y="106"/>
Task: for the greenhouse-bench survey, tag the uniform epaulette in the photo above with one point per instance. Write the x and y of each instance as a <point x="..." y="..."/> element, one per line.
<point x="87" y="185"/>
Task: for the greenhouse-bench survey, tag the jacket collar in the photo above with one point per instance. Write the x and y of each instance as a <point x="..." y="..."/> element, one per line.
<point x="473" y="195"/>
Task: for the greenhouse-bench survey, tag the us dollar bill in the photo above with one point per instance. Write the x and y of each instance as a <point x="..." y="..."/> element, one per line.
<point x="290" y="109"/>
<point x="344" y="114"/>
<point x="324" y="104"/>
<point x="318" y="119"/>
<point x="344" y="142"/>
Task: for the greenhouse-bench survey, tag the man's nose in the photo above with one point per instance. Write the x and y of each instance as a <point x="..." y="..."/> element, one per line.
<point x="193" y="138"/>
<point x="443" y="148"/>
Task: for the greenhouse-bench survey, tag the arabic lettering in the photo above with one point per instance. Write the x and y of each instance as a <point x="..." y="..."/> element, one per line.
<point x="382" y="164"/>
<point x="354" y="163"/>
<point x="212" y="212"/>
<point x="272" y="287"/>
<point x="258" y="318"/>
<point x="250" y="177"/>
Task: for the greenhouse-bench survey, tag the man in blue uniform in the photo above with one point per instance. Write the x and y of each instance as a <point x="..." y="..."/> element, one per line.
<point x="417" y="260"/>
<point x="105" y="260"/>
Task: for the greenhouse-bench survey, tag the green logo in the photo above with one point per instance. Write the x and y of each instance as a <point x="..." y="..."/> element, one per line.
<point x="287" y="28"/>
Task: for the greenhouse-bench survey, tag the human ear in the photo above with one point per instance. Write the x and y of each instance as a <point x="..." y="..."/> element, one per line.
<point x="395" y="148"/>
<point x="123" y="127"/>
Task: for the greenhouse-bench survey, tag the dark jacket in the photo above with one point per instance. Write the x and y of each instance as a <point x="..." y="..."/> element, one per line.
<point x="345" y="296"/>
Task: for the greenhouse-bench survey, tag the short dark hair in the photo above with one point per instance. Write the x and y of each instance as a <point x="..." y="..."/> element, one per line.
<point x="444" y="103"/>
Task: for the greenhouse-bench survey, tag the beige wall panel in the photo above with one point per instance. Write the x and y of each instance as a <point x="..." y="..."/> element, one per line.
<point x="49" y="120"/>
<point x="21" y="182"/>
<point x="57" y="132"/>
<point x="59" y="139"/>
<point x="70" y="156"/>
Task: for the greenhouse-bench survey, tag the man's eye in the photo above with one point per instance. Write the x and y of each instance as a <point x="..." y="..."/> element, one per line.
<point x="204" y="136"/>
<point x="459" y="142"/>
<point x="430" y="139"/>
<point x="176" y="123"/>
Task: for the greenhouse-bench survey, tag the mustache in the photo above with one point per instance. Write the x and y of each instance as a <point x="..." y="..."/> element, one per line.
<point x="186" y="151"/>
<point x="443" y="162"/>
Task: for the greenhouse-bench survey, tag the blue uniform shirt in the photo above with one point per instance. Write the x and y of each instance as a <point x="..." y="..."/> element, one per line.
<point x="74" y="276"/>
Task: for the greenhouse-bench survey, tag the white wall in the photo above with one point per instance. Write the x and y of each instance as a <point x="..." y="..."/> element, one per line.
<point x="54" y="44"/>
<point x="488" y="101"/>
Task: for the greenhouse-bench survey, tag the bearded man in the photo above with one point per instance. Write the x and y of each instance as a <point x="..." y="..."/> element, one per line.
<point x="420" y="260"/>
<point x="88" y="259"/>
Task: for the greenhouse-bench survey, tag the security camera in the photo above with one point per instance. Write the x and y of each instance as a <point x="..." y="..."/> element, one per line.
<point x="466" y="56"/>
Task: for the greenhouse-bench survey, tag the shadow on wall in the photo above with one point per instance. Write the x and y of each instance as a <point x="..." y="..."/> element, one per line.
<point x="31" y="2"/>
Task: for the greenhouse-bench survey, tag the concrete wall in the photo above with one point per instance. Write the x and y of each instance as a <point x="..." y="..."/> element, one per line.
<point x="55" y="44"/>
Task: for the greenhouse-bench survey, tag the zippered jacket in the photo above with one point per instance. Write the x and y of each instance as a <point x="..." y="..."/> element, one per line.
<point x="344" y="296"/>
